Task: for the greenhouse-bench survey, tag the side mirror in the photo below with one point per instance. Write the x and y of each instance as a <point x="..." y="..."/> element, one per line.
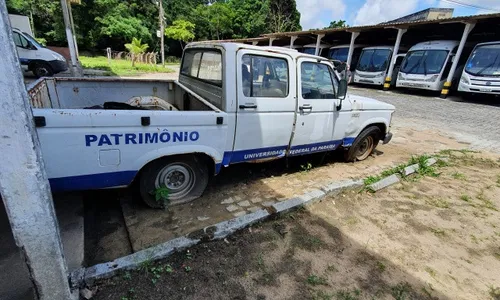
<point x="342" y="89"/>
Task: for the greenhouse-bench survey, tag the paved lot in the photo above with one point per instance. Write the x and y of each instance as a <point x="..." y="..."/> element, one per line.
<point x="473" y="120"/>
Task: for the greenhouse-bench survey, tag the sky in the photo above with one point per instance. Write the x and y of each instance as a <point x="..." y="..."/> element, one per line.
<point x="319" y="13"/>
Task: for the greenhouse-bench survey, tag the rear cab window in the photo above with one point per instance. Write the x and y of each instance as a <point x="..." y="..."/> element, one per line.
<point x="204" y="68"/>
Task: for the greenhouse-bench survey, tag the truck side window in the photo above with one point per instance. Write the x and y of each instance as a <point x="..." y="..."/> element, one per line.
<point x="317" y="81"/>
<point x="20" y="41"/>
<point x="202" y="64"/>
<point x="264" y="76"/>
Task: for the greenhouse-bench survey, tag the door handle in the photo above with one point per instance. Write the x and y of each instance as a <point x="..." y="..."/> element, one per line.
<point x="248" y="106"/>
<point x="306" y="106"/>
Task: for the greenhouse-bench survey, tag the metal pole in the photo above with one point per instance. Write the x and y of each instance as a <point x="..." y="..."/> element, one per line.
<point x="73" y="28"/>
<point x="318" y="43"/>
<point x="292" y="40"/>
<point x="23" y="183"/>
<point x="388" y="78"/>
<point x="271" y="40"/>
<point x="162" y="33"/>
<point x="254" y="43"/>
<point x="71" y="41"/>
<point x="354" y="36"/>
<point x="446" y="87"/>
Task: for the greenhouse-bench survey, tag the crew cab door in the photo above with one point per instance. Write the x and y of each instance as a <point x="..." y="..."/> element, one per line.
<point x="266" y="105"/>
<point x="317" y="115"/>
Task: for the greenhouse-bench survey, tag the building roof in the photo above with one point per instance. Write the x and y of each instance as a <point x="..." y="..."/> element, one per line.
<point x="425" y="12"/>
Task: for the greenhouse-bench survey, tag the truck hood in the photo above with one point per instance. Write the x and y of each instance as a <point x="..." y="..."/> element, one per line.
<point x="364" y="103"/>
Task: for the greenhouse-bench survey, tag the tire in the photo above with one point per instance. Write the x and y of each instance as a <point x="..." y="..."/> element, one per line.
<point x="42" y="70"/>
<point x="186" y="177"/>
<point x="364" y="145"/>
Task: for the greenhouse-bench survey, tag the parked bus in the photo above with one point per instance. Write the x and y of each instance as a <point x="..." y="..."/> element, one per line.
<point x="311" y="49"/>
<point x="339" y="54"/>
<point x="374" y="64"/>
<point x="427" y="65"/>
<point x="482" y="70"/>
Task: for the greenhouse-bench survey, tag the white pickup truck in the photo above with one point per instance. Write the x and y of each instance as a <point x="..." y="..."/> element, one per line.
<point x="233" y="103"/>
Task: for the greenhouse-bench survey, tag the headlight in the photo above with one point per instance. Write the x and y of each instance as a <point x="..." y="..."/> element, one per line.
<point x="433" y="78"/>
<point x="465" y="79"/>
<point x="58" y="57"/>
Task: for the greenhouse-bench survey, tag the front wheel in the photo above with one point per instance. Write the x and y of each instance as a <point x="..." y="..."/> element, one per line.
<point x="42" y="70"/>
<point x="364" y="144"/>
<point x="185" y="178"/>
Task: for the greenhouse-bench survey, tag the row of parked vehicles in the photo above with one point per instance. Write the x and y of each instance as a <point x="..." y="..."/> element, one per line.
<point x="424" y="66"/>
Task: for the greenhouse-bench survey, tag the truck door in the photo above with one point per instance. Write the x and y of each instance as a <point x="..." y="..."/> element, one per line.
<point x="24" y="50"/>
<point x="316" y="111"/>
<point x="266" y="90"/>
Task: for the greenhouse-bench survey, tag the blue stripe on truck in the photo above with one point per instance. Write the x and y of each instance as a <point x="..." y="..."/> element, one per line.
<point x="92" y="181"/>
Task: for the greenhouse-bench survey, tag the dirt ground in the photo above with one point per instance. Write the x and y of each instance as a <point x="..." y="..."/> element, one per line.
<point x="244" y="188"/>
<point x="426" y="238"/>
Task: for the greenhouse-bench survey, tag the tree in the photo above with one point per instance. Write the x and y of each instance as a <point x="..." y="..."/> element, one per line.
<point x="337" y="24"/>
<point x="181" y="30"/>
<point x="284" y="16"/>
<point x="214" y="21"/>
<point x="250" y="17"/>
<point x="136" y="48"/>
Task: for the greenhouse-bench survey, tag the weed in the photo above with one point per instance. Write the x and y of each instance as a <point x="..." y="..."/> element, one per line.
<point x="267" y="278"/>
<point x="438" y="232"/>
<point x="146" y="266"/>
<point x="346" y="295"/>
<point x="372" y="179"/>
<point x="168" y="269"/>
<point x="497" y="255"/>
<point x="331" y="268"/>
<point x="465" y="198"/>
<point x="320" y="295"/>
<point x="498" y="180"/>
<point x="486" y="203"/>
<point x="188" y="269"/>
<point x="380" y="266"/>
<point x="494" y="293"/>
<point x="400" y="170"/>
<point x="307" y="167"/>
<point x="127" y="276"/>
<point x="431" y="272"/>
<point x="459" y="176"/>
<point x="438" y="202"/>
<point x="316" y="280"/>
<point x="189" y="255"/>
<point x="474" y="239"/>
<point x="441" y="163"/>
<point x="401" y="291"/>
<point x="161" y="196"/>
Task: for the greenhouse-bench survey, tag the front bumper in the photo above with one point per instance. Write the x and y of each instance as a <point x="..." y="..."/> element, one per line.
<point x="388" y="138"/>
<point x="58" y="66"/>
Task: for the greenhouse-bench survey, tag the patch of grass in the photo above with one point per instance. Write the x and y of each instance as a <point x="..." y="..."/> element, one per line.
<point x="494" y="292"/>
<point x="304" y="240"/>
<point x="320" y="295"/>
<point x="348" y="295"/>
<point x="474" y="239"/>
<point x="307" y="167"/>
<point x="438" y="202"/>
<point x="316" y="280"/>
<point x="431" y="272"/>
<point x="396" y="170"/>
<point x="120" y="67"/>
<point x="486" y="203"/>
<point x="401" y="291"/>
<point x="381" y="266"/>
<point x="127" y="276"/>
<point x="498" y="180"/>
<point x="372" y="179"/>
<point x="497" y="255"/>
<point x="465" y="198"/>
<point x="438" y="232"/>
<point x="458" y="176"/>
<point x="331" y="268"/>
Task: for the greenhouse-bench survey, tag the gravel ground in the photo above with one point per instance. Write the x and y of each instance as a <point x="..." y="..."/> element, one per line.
<point x="472" y="120"/>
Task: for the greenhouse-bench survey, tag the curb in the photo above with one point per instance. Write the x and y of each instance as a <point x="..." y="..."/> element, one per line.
<point x="88" y="276"/>
<point x="393" y="179"/>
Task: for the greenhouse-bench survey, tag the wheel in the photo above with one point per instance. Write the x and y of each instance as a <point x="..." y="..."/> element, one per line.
<point x="185" y="177"/>
<point x="364" y="144"/>
<point x="42" y="70"/>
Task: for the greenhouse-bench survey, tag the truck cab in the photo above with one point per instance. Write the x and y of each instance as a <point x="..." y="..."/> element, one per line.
<point x="233" y="103"/>
<point x="36" y="58"/>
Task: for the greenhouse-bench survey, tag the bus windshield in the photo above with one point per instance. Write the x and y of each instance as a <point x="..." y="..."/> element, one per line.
<point x="308" y="50"/>
<point x="374" y="60"/>
<point x="424" y="62"/>
<point x="484" y="61"/>
<point x="339" y="54"/>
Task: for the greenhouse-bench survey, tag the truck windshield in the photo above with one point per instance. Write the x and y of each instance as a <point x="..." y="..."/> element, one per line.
<point x="32" y="40"/>
<point x="339" y="54"/>
<point x="374" y="60"/>
<point x="484" y="61"/>
<point x="424" y="62"/>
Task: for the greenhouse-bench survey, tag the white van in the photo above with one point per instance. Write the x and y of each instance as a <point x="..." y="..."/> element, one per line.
<point x="482" y="70"/>
<point x="374" y="63"/>
<point x="311" y="49"/>
<point x="427" y="65"/>
<point x="35" y="57"/>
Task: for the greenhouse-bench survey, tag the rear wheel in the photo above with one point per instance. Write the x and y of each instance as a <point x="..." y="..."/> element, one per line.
<point x="185" y="177"/>
<point x="364" y="144"/>
<point x="42" y="70"/>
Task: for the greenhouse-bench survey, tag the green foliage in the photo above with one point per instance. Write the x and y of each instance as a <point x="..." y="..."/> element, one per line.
<point x="161" y="196"/>
<point x="316" y="280"/>
<point x="181" y="30"/>
<point x="136" y="47"/>
<point x="120" y="67"/>
<point x="337" y="24"/>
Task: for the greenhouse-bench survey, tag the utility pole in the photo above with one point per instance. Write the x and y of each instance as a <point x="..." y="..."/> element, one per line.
<point x="162" y="32"/>
<point x="75" y="68"/>
<point x="24" y="186"/>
